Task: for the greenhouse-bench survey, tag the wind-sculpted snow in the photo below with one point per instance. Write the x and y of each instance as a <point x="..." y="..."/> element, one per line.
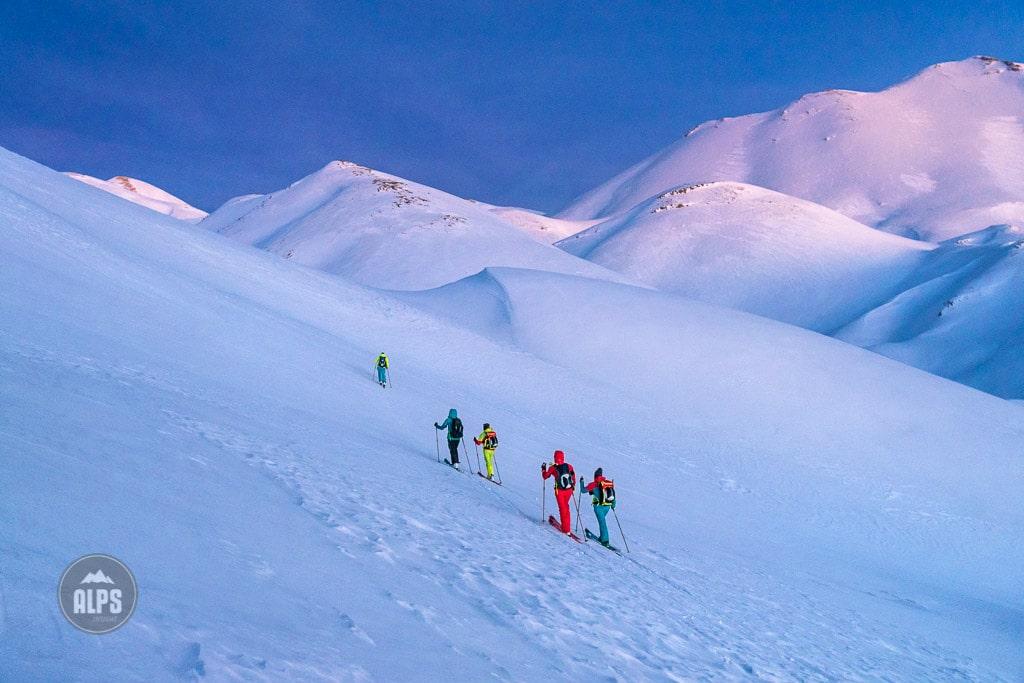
<point x="939" y="155"/>
<point x="798" y="509"/>
<point x="387" y="232"/>
<point x="755" y="250"/>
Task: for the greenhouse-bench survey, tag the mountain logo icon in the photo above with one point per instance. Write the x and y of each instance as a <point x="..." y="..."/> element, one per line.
<point x="97" y="577"/>
<point x="97" y="593"/>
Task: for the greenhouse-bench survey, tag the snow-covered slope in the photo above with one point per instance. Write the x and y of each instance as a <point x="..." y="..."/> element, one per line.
<point x="953" y="308"/>
<point x="386" y="232"/>
<point x="798" y="509"/>
<point x="756" y="250"/>
<point x="960" y="315"/>
<point x="939" y="155"/>
<point x="145" y="194"/>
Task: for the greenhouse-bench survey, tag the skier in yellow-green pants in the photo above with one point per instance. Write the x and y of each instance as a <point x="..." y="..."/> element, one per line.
<point x="489" y="440"/>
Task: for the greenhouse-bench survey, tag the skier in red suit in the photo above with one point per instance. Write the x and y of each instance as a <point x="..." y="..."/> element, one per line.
<point x="565" y="484"/>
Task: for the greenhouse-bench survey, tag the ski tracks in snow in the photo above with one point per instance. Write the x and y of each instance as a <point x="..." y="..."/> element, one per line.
<point x="574" y="611"/>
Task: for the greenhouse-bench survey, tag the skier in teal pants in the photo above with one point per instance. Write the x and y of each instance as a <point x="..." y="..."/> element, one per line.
<point x="603" y="497"/>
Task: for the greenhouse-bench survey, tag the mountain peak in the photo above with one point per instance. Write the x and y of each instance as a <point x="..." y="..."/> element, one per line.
<point x="996" y="62"/>
<point x="972" y="67"/>
<point x="144" y="194"/>
<point x="384" y="231"/>
<point x="343" y="164"/>
<point x="933" y="157"/>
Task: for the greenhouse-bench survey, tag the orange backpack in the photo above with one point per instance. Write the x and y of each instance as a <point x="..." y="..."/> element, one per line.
<point x="605" y="492"/>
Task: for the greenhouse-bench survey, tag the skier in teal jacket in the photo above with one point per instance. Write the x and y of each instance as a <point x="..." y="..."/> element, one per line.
<point x="454" y="426"/>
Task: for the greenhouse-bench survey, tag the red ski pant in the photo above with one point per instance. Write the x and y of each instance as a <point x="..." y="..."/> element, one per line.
<point x="563" y="496"/>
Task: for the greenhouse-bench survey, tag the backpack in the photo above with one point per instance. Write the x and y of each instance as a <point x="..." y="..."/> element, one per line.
<point x="565" y="478"/>
<point x="455" y="429"/>
<point x="605" y="492"/>
<point x="382" y="362"/>
<point x="490" y="440"/>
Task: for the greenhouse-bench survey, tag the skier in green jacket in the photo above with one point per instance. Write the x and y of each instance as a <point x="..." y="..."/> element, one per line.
<point x="382" y="369"/>
<point x="489" y="440"/>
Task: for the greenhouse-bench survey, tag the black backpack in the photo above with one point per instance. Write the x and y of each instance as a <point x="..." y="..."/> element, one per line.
<point x="382" y="362"/>
<point x="565" y="478"/>
<point x="455" y="429"/>
<point x="604" y="492"/>
<point x="490" y="440"/>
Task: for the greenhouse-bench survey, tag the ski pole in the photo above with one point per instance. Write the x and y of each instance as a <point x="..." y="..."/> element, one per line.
<point x="437" y="445"/>
<point x="543" y="499"/>
<point x="578" y="499"/>
<point x="620" y="529"/>
<point x="465" y="452"/>
<point x="387" y="373"/>
<point x="477" y="449"/>
<point x="496" y="470"/>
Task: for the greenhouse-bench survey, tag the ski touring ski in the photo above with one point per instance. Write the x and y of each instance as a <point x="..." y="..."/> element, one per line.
<point x="448" y="462"/>
<point x="558" y="527"/>
<point x="486" y="478"/>
<point x="594" y="537"/>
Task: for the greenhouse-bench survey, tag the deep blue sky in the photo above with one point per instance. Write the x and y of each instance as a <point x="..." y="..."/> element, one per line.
<point x="507" y="102"/>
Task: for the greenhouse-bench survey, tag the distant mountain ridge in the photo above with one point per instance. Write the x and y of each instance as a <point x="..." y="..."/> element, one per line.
<point x="783" y="214"/>
<point x="756" y="250"/>
<point x="952" y="308"/>
<point x="385" y="231"/>
<point x="933" y="157"/>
